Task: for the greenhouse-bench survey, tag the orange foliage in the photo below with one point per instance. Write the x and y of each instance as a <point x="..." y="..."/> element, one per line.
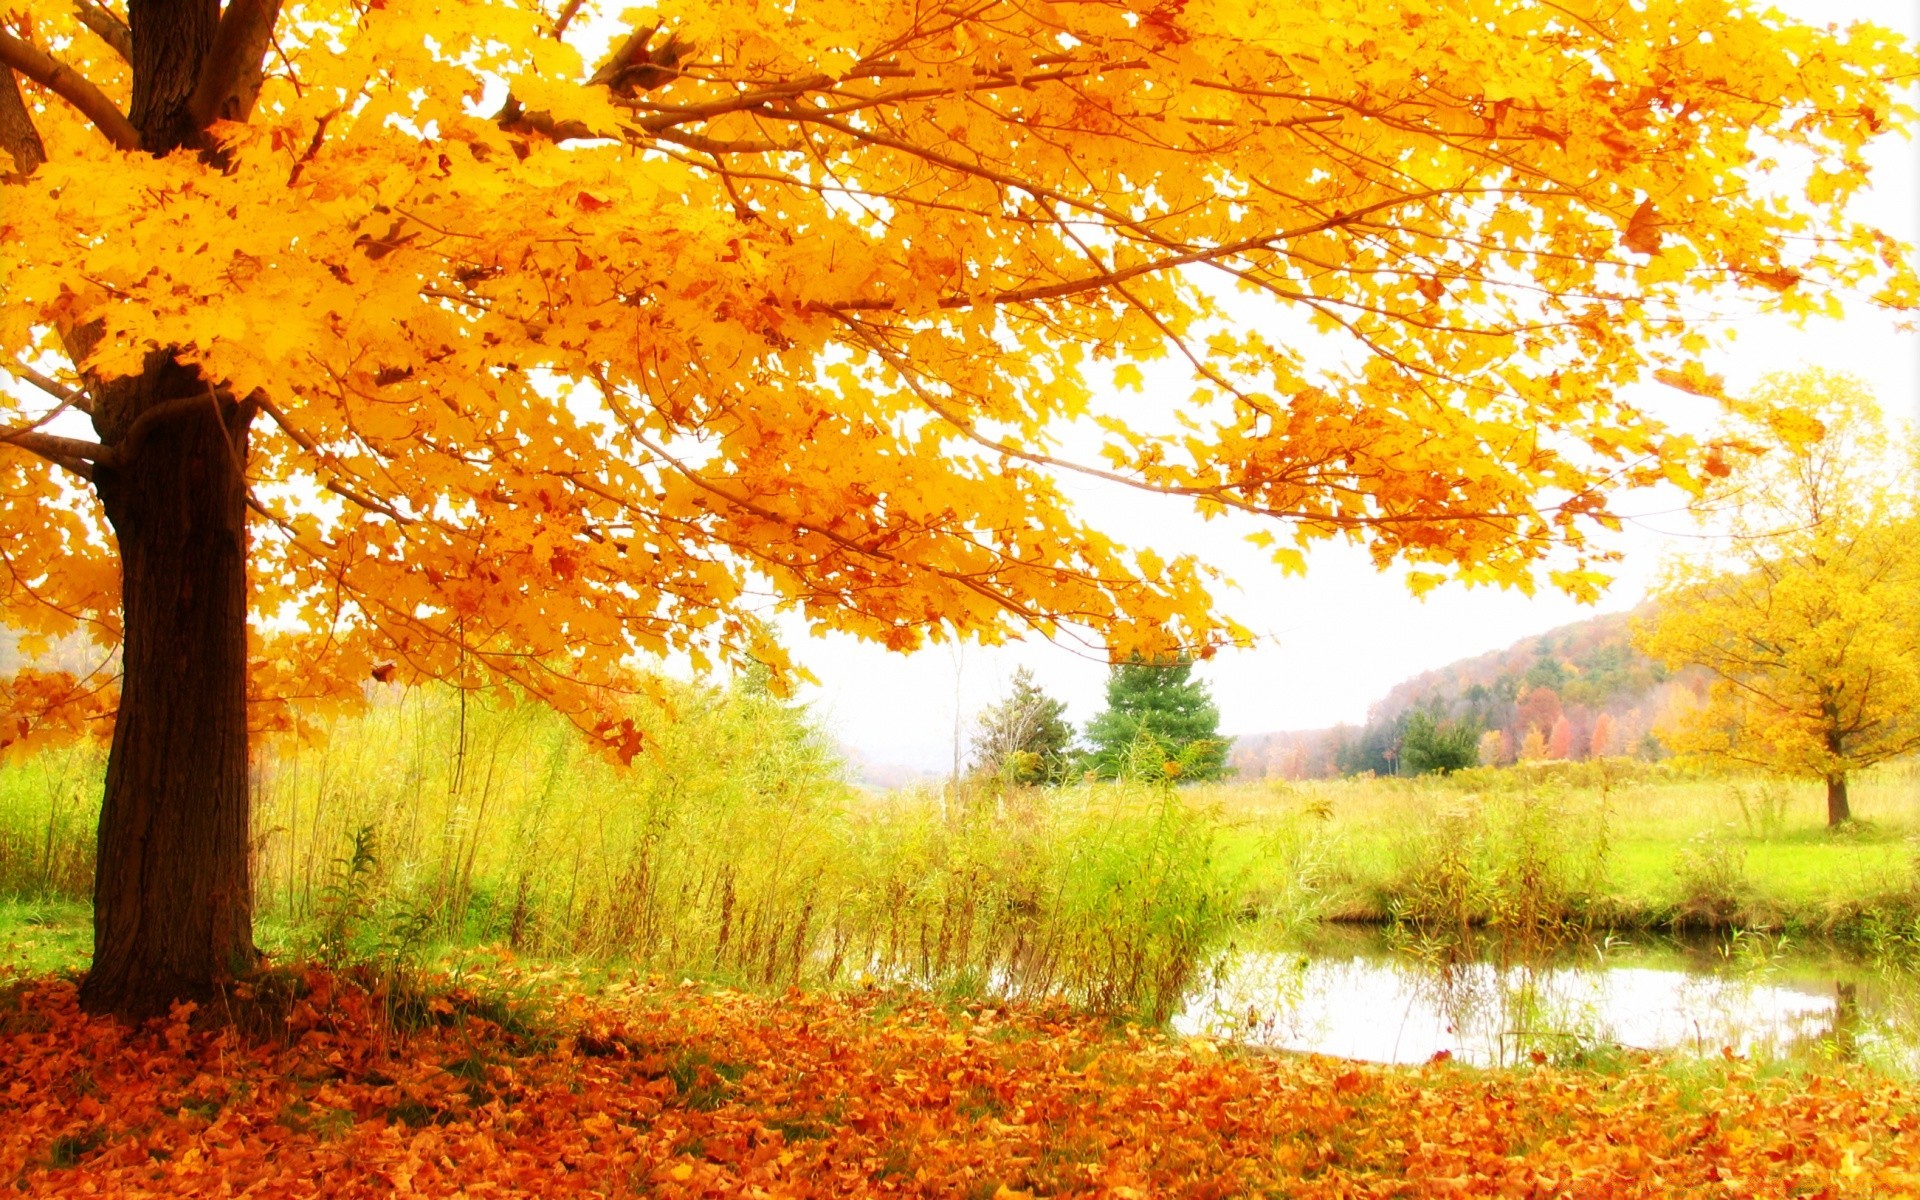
<point x="1560" y="742"/>
<point x="1604" y="741"/>
<point x="661" y="1091"/>
<point x="799" y="305"/>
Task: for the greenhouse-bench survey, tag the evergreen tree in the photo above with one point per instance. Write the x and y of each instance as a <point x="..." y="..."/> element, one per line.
<point x="1428" y="745"/>
<point x="1025" y="738"/>
<point x="1157" y="713"/>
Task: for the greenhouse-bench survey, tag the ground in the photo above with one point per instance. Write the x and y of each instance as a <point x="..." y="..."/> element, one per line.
<point x="649" y="1088"/>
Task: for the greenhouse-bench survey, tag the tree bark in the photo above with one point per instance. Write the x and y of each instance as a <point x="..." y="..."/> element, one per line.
<point x="173" y="894"/>
<point x="1838" y="813"/>
<point x="173" y="897"/>
<point x="170" y="40"/>
<point x="18" y="137"/>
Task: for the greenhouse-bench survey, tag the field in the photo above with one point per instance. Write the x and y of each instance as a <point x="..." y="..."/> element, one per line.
<point x="735" y="852"/>
<point x="1611" y="843"/>
<point x="503" y="963"/>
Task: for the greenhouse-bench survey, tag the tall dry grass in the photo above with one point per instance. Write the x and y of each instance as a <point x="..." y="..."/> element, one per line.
<point x="732" y="849"/>
<point x="735" y="849"/>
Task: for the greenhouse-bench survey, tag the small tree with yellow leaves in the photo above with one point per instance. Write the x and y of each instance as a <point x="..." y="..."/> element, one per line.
<point x="1809" y="616"/>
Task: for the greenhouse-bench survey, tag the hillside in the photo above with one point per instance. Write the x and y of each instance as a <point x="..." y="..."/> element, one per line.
<point x="1579" y="691"/>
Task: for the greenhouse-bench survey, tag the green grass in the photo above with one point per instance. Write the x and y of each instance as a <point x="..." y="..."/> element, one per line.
<point x="1635" y="845"/>
<point x="735" y="852"/>
<point x="45" y="938"/>
<point x="732" y="851"/>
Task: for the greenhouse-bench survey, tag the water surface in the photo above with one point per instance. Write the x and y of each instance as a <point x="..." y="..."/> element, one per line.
<point x="1367" y="997"/>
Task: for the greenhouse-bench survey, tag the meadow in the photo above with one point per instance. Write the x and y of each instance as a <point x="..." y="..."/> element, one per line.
<point x="734" y="851"/>
<point x="1613" y="843"/>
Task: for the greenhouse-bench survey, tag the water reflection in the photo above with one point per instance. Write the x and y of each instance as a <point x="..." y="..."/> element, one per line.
<point x="1366" y="1001"/>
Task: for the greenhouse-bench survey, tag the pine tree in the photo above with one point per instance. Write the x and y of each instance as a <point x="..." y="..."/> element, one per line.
<point x="1025" y="738"/>
<point x="1428" y="746"/>
<point x="1157" y="716"/>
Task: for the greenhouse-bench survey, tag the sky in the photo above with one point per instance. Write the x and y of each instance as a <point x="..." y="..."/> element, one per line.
<point x="1334" y="641"/>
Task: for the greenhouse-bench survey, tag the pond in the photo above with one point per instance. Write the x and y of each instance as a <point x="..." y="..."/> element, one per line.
<point x="1384" y="998"/>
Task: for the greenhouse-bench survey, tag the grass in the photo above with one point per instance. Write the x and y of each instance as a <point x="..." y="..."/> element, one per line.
<point x="46" y="937"/>
<point x="735" y="852"/>
<point x="1639" y="846"/>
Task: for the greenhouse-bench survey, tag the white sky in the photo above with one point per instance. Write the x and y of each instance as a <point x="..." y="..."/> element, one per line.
<point x="1338" y="639"/>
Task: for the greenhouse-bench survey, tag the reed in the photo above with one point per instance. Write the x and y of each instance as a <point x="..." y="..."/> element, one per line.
<point x="735" y="849"/>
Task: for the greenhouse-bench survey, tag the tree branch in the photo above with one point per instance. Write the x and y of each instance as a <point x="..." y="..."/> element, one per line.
<point x="71" y="86"/>
<point x="342" y="490"/>
<point x="707" y="145"/>
<point x="108" y="25"/>
<point x="68" y="397"/>
<point x="566" y="17"/>
<point x="73" y="454"/>
<point x="236" y="64"/>
<point x="18" y="137"/>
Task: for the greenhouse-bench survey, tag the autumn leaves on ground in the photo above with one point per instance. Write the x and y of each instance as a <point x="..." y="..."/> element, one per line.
<point x="655" y="1090"/>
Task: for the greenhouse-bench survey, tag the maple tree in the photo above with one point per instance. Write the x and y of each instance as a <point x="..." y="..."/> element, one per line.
<point x="445" y="353"/>
<point x="1809" y="618"/>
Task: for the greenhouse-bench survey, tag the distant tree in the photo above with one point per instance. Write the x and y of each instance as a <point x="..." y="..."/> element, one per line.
<point x="1373" y="748"/>
<point x="1603" y="738"/>
<point x="1157" y="708"/>
<point x="1538" y="709"/>
<point x="1546" y="672"/>
<point x="1496" y="750"/>
<point x="1533" y="747"/>
<point x="1560" y="741"/>
<point x="1429" y="746"/>
<point x="1025" y="738"/>
<point x="1809" y="619"/>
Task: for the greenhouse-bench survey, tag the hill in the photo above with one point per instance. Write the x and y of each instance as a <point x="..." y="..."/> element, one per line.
<point x="1574" y="692"/>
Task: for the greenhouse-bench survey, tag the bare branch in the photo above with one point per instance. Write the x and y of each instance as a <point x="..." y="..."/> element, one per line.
<point x="566" y="16"/>
<point x="71" y="86"/>
<point x="72" y="454"/>
<point x="108" y="25"/>
<point x="68" y="397"/>
<point x="230" y="78"/>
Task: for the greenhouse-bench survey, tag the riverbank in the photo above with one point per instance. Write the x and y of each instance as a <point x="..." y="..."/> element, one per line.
<point x="763" y="874"/>
<point x="1605" y="845"/>
<point x="679" y="1092"/>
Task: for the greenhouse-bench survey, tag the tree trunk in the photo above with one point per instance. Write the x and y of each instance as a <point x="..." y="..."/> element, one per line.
<point x="173" y="901"/>
<point x="1837" y="811"/>
<point x="172" y="893"/>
